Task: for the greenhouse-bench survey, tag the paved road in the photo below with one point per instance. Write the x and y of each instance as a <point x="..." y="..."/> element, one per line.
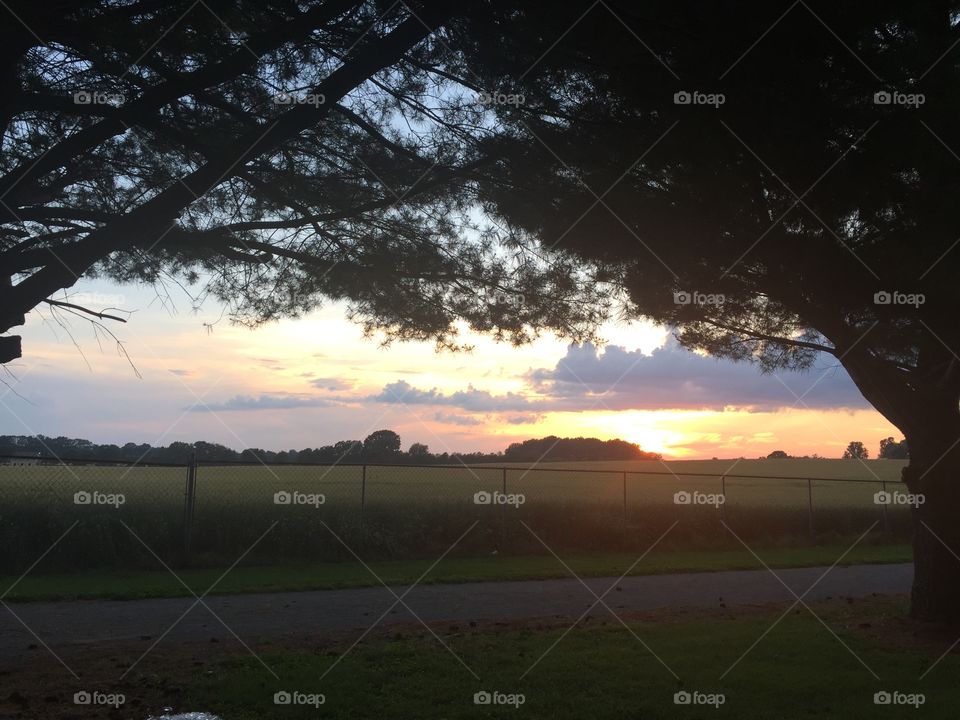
<point x="261" y="616"/>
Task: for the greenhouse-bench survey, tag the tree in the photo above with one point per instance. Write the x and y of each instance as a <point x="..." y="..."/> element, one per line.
<point x="774" y="191"/>
<point x="773" y="194"/>
<point x="777" y="455"/>
<point x="552" y="448"/>
<point x="418" y="451"/>
<point x="381" y="445"/>
<point x="890" y="449"/>
<point x="255" y="152"/>
<point x="855" y="451"/>
<point x="347" y="450"/>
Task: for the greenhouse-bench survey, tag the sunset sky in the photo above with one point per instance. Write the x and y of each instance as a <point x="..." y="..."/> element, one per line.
<point x="309" y="382"/>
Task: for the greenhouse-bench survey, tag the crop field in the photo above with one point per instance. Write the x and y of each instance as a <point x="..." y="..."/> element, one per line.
<point x="120" y="516"/>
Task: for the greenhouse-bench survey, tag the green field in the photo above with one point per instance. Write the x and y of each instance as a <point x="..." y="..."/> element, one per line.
<point x="401" y="512"/>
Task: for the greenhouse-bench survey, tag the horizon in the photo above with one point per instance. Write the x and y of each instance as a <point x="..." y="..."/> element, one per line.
<point x="406" y="446"/>
<point x="283" y="385"/>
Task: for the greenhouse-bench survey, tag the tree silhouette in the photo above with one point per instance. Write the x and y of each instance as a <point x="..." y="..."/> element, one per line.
<point x="855" y="451"/>
<point x="776" y="183"/>
<point x="777" y="191"/>
<point x="890" y="449"/>
<point x="273" y="153"/>
<point x="418" y="451"/>
<point x="381" y="444"/>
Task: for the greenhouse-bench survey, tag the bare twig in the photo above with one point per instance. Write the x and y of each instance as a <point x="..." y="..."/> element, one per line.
<point x="80" y="308"/>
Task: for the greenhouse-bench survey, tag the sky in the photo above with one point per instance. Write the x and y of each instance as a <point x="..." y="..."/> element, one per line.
<point x="312" y="381"/>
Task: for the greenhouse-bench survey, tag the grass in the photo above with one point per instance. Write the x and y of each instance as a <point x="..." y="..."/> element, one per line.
<point x="799" y="670"/>
<point x="416" y="512"/>
<point x="129" y="585"/>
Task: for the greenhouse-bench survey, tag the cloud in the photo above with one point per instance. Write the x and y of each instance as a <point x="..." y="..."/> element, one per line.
<point x="264" y="402"/>
<point x="523" y="419"/>
<point x="331" y="383"/>
<point x="615" y="379"/>
<point x="675" y="378"/>
<point x="471" y="399"/>
<point x="179" y="372"/>
<point x="454" y="419"/>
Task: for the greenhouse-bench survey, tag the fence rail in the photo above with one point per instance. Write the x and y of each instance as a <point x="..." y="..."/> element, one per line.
<point x="208" y="511"/>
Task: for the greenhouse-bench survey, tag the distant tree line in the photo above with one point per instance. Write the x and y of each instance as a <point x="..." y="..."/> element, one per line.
<point x="553" y="449"/>
<point x="784" y="455"/>
<point x="379" y="446"/>
<point x="890" y="449"/>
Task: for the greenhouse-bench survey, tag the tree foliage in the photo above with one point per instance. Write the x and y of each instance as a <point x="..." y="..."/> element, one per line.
<point x="379" y="446"/>
<point x="554" y="449"/>
<point x="856" y="451"/>
<point x="271" y="155"/>
<point x="890" y="449"/>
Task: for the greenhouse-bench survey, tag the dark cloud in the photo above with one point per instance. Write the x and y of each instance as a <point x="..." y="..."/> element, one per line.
<point x="669" y="378"/>
<point x="264" y="402"/>
<point x="672" y="377"/>
<point x="471" y="399"/>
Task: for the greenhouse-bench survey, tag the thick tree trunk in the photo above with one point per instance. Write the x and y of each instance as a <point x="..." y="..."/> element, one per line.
<point x="925" y="405"/>
<point x="934" y="476"/>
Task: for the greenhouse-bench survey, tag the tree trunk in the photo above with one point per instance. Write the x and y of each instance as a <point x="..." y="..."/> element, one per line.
<point x="933" y="475"/>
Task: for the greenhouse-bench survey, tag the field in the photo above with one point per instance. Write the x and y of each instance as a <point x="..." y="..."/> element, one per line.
<point x="396" y="512"/>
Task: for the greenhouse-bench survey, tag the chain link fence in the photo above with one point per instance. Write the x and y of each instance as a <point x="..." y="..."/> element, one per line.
<point x="83" y="514"/>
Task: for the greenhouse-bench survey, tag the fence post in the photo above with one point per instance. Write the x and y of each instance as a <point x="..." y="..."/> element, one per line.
<point x="363" y="494"/>
<point x="189" y="501"/>
<point x="624" y="498"/>
<point x="810" y="507"/>
<point x="503" y="509"/>
<point x="723" y="494"/>
<point x="883" y="509"/>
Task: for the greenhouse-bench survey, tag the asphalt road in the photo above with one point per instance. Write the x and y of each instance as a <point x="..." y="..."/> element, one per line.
<point x="26" y="627"/>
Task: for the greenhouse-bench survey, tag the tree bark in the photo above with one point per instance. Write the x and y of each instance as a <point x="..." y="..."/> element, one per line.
<point x="924" y="404"/>
<point x="933" y="475"/>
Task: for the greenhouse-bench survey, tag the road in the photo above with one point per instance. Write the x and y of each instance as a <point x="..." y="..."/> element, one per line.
<point x="28" y="626"/>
